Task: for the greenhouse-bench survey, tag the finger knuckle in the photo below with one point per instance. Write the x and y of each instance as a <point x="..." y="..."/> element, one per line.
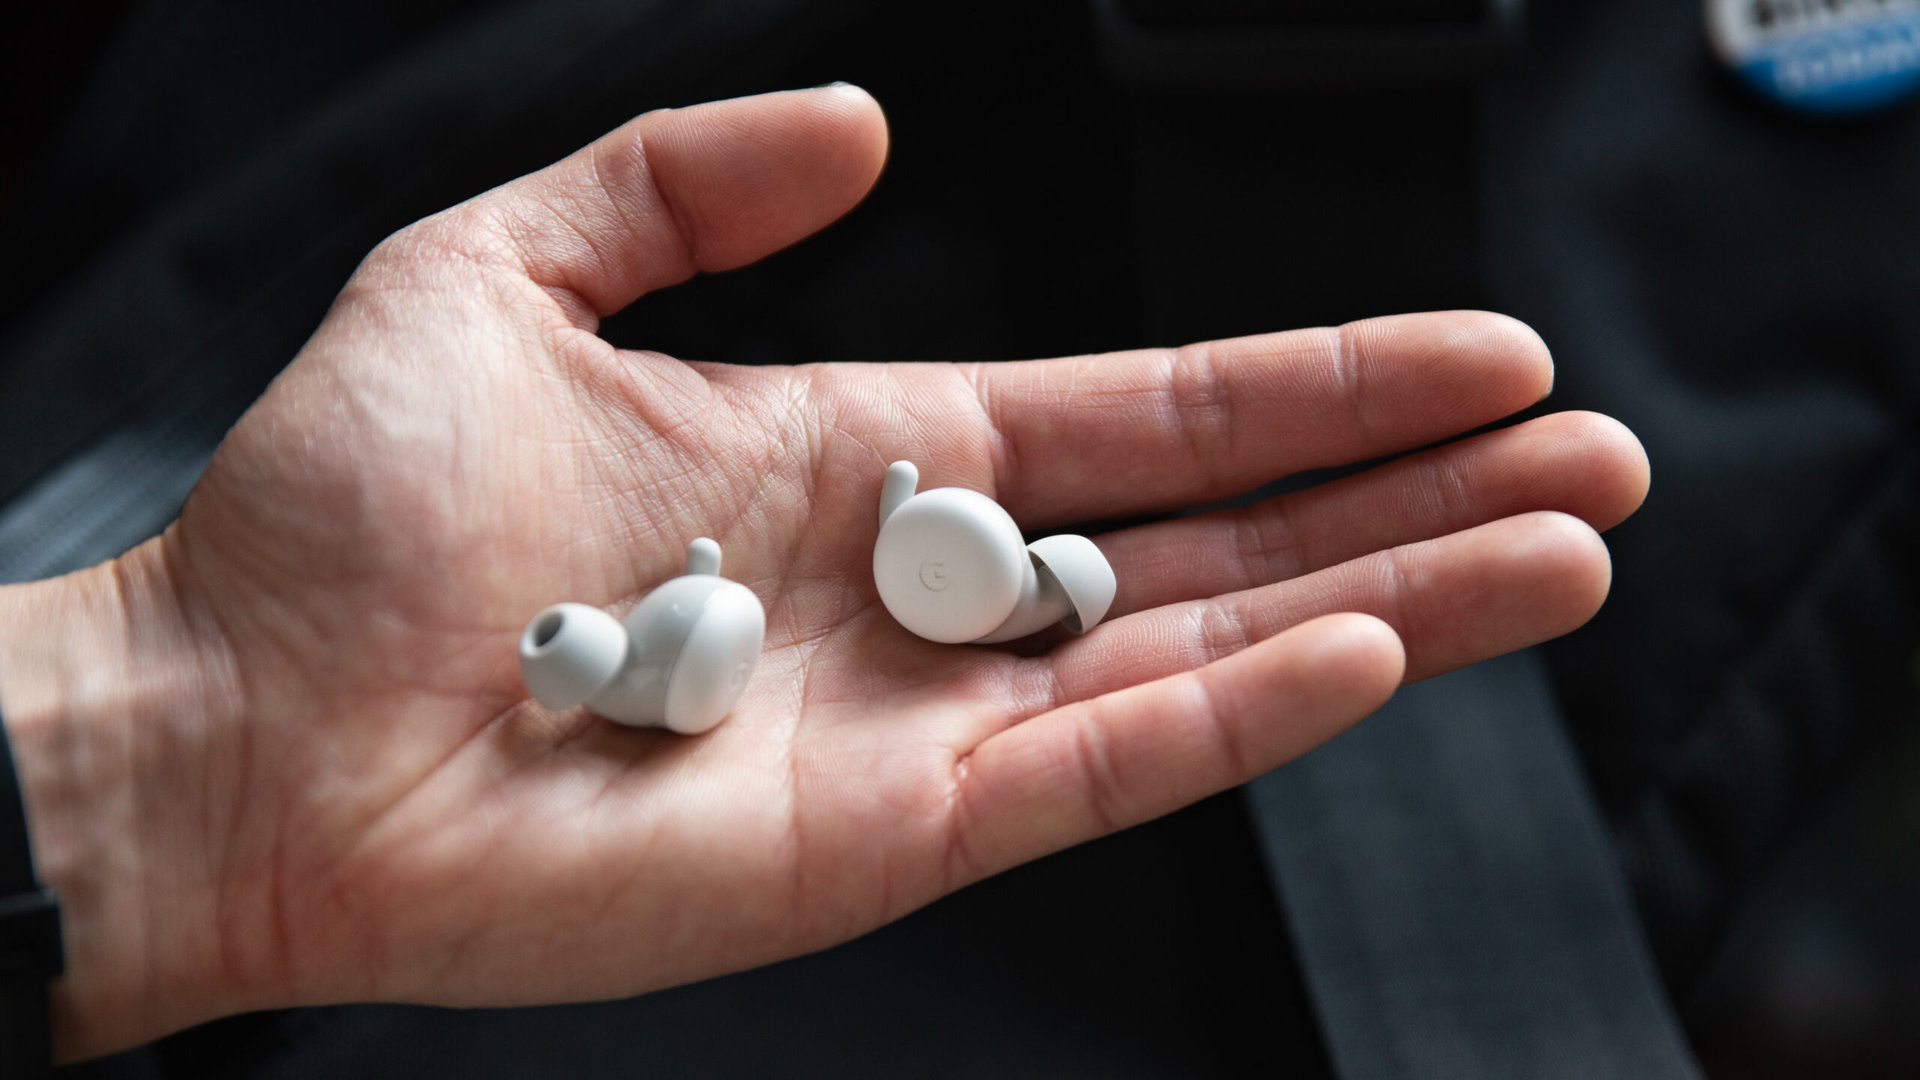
<point x="1093" y="760"/>
<point x="1202" y="405"/>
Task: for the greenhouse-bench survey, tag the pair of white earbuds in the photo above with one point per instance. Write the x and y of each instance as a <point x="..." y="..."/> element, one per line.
<point x="949" y="563"/>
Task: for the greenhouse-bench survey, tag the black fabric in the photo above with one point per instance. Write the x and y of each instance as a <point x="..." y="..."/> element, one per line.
<point x="1737" y="286"/>
<point x="1385" y="14"/>
<point x="30" y="946"/>
<point x="1243" y="235"/>
<point x="16" y="846"/>
<point x="25" y="1047"/>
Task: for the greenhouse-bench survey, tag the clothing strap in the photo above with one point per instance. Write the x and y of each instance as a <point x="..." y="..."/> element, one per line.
<point x="1457" y="906"/>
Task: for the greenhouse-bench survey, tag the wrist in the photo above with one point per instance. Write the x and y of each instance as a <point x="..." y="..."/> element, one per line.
<point x="106" y="680"/>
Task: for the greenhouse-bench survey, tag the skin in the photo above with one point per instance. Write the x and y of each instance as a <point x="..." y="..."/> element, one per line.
<point x="281" y="754"/>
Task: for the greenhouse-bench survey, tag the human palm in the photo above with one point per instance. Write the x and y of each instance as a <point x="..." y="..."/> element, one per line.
<point x="381" y="813"/>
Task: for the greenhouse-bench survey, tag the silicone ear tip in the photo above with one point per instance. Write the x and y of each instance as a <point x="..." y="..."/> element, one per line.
<point x="1084" y="575"/>
<point x="569" y="652"/>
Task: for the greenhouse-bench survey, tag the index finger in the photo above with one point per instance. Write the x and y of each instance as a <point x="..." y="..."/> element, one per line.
<point x="1098" y="436"/>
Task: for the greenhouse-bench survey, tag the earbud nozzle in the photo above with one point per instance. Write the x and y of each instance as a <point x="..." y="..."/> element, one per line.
<point x="569" y="652"/>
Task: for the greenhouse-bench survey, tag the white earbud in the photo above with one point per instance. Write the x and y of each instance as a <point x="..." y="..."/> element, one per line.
<point x="951" y="566"/>
<point x="679" y="660"/>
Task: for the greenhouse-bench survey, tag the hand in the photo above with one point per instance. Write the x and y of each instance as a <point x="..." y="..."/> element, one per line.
<point x="282" y="753"/>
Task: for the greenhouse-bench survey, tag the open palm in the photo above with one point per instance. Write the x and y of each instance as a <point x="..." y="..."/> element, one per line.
<point x="377" y="811"/>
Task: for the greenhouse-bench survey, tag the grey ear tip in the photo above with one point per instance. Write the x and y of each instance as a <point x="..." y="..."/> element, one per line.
<point x="1084" y="574"/>
<point x="569" y="653"/>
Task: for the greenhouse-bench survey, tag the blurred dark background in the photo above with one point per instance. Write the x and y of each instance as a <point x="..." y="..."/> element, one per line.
<point x="1688" y="834"/>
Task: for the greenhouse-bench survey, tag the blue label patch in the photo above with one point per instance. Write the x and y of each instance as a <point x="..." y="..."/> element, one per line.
<point x="1827" y="57"/>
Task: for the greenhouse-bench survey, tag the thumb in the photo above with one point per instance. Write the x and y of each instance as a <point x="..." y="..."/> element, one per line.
<point x="677" y="191"/>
